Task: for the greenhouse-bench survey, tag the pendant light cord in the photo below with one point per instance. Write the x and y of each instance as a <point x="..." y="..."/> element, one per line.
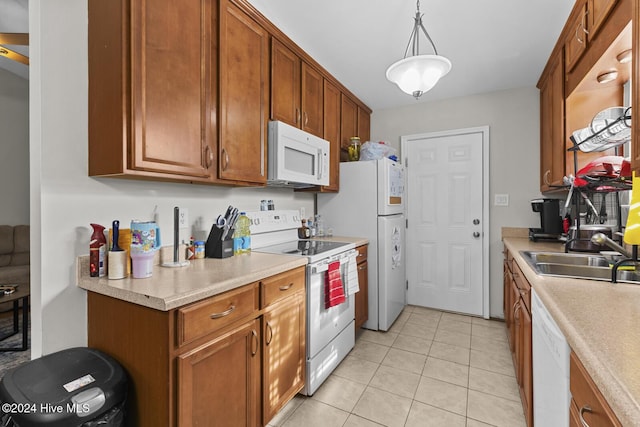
<point x="414" y="41"/>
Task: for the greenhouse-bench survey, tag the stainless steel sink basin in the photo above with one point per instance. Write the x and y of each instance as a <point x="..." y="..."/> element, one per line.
<point x="579" y="266"/>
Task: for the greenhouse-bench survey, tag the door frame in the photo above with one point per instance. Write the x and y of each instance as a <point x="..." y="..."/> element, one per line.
<point x="405" y="140"/>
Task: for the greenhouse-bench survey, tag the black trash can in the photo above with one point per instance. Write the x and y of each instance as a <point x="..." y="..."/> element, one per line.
<point x="71" y="388"/>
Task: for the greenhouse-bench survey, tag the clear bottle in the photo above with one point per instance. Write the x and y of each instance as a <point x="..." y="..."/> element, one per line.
<point x="319" y="226"/>
<point x="242" y="235"/>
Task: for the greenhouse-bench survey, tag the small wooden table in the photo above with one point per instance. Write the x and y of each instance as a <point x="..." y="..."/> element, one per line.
<point x="21" y="293"/>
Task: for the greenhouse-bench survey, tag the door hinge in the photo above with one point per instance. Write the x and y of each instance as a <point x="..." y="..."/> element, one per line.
<point x="406" y="223"/>
<point x="407" y="285"/>
<point x="406" y="162"/>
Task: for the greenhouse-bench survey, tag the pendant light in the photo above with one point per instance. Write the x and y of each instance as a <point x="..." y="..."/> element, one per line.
<point x="417" y="73"/>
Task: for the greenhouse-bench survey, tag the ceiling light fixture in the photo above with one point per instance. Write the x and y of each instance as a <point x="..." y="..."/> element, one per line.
<point x="607" y="76"/>
<point x="624" y="57"/>
<point x="417" y="73"/>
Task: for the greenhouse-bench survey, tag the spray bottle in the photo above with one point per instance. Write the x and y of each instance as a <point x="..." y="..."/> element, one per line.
<point x="97" y="252"/>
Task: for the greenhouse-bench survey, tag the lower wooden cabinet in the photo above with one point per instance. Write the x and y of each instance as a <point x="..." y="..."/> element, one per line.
<point x="219" y="382"/>
<point x="588" y="406"/>
<point x="234" y="359"/>
<point x="283" y="350"/>
<point x="362" y="296"/>
<point x="517" y="294"/>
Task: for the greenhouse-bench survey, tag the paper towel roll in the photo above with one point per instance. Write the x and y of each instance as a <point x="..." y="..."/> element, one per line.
<point x="117" y="264"/>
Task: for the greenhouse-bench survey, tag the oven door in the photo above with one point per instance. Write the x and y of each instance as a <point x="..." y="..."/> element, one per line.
<point x="324" y="324"/>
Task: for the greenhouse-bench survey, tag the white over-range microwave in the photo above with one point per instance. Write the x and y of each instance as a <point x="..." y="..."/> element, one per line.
<point x="296" y="158"/>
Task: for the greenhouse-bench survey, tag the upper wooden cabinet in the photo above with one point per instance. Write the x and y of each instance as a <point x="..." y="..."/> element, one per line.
<point x="576" y="42"/>
<point x="552" y="139"/>
<point x="296" y="90"/>
<point x="332" y="102"/>
<point x="244" y="96"/>
<point x="598" y="12"/>
<point x="151" y="89"/>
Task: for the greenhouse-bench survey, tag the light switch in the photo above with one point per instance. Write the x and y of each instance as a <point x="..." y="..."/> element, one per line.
<point x="501" y="200"/>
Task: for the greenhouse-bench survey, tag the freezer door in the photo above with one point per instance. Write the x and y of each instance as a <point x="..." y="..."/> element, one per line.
<point x="390" y="187"/>
<point x="392" y="295"/>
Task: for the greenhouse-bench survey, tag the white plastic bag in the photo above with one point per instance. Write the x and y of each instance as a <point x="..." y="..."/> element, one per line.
<point x="376" y="150"/>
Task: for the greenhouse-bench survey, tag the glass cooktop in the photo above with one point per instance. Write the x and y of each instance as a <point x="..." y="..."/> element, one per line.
<point x="314" y="249"/>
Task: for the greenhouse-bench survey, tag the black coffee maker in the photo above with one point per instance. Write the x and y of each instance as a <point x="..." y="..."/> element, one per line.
<point x="550" y="220"/>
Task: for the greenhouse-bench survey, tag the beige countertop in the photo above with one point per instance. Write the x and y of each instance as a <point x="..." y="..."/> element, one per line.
<point x="170" y="288"/>
<point x="601" y="322"/>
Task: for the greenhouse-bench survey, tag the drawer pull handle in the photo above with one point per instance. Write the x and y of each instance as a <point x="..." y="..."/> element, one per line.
<point x="254" y="335"/>
<point x="224" y="313"/>
<point x="585" y="408"/>
<point x="270" y="334"/>
<point x="286" y="287"/>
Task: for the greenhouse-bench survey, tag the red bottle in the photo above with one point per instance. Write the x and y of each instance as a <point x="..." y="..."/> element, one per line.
<point x="97" y="252"/>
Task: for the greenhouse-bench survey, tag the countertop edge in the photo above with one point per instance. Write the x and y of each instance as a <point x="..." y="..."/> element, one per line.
<point x="618" y="396"/>
<point x="123" y="289"/>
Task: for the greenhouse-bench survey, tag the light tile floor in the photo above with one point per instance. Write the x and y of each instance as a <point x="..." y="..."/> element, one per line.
<point x="431" y="368"/>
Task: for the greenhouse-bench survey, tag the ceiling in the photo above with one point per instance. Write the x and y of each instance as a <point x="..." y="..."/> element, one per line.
<point x="492" y="44"/>
<point x="14" y="18"/>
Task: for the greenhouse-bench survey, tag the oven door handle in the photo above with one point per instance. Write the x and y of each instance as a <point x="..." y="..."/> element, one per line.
<point x="322" y="266"/>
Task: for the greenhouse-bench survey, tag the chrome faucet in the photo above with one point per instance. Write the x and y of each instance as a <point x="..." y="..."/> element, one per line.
<point x="601" y="239"/>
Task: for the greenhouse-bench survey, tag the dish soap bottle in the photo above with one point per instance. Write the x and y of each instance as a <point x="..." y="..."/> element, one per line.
<point x="97" y="252"/>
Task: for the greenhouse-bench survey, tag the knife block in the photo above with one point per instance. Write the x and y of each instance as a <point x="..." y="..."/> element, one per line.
<point x="216" y="246"/>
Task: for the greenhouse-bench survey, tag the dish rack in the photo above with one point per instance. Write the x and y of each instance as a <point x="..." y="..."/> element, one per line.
<point x="609" y="129"/>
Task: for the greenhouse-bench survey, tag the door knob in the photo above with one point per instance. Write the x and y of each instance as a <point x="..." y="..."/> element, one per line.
<point x="476" y="234"/>
<point x="476" y="221"/>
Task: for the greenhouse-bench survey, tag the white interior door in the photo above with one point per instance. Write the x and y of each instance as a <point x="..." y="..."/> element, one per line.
<point x="447" y="190"/>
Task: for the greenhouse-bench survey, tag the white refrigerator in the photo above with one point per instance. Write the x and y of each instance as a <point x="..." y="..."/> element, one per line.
<point x="371" y="204"/>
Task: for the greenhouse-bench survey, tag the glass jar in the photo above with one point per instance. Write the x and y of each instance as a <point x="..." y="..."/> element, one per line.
<point x="354" y="149"/>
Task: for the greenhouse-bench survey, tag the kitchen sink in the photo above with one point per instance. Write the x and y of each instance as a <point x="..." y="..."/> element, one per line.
<point x="579" y="266"/>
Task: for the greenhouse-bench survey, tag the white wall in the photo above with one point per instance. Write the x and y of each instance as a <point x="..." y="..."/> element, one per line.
<point x="64" y="200"/>
<point x="513" y="120"/>
<point x="14" y="149"/>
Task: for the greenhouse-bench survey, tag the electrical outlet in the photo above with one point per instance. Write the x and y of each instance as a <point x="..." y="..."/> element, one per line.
<point x="183" y="218"/>
<point x="501" y="200"/>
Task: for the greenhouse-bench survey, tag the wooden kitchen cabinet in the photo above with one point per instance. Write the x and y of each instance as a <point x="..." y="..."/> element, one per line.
<point x="284" y="353"/>
<point x="244" y="95"/>
<point x="296" y="90"/>
<point x="231" y="359"/>
<point x="364" y="124"/>
<point x="348" y="124"/>
<point x="517" y="291"/>
<point x="598" y="11"/>
<point x="586" y="400"/>
<point x="576" y="42"/>
<point x="362" y="296"/>
<point x="219" y="381"/>
<point x="332" y="104"/>
<point x="151" y="89"/>
<point x="552" y="121"/>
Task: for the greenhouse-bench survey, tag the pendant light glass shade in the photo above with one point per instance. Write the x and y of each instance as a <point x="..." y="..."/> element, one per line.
<point x="417" y="73"/>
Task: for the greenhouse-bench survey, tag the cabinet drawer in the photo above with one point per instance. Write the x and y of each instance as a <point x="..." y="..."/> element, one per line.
<point x="217" y="312"/>
<point x="586" y="394"/>
<point x="523" y="285"/>
<point x="282" y="285"/>
<point x="362" y="253"/>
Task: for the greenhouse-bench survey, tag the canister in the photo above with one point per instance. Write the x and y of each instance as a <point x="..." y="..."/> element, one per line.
<point x="199" y="249"/>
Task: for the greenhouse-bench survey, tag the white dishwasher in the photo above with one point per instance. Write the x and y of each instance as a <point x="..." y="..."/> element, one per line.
<point x="551" y="395"/>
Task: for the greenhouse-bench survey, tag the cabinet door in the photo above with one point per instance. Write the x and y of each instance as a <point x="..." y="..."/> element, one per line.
<point x="244" y="72"/>
<point x="515" y="309"/>
<point x="598" y="12"/>
<point x="364" y="125"/>
<point x="285" y="84"/>
<point x="348" y="123"/>
<point x="552" y="139"/>
<point x="507" y="300"/>
<point x="526" y="365"/>
<point x="312" y="97"/>
<point x="362" y="297"/>
<point x="284" y="353"/>
<point x="219" y="382"/>
<point x="150" y="89"/>
<point x="331" y="133"/>
<point x="576" y="43"/>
